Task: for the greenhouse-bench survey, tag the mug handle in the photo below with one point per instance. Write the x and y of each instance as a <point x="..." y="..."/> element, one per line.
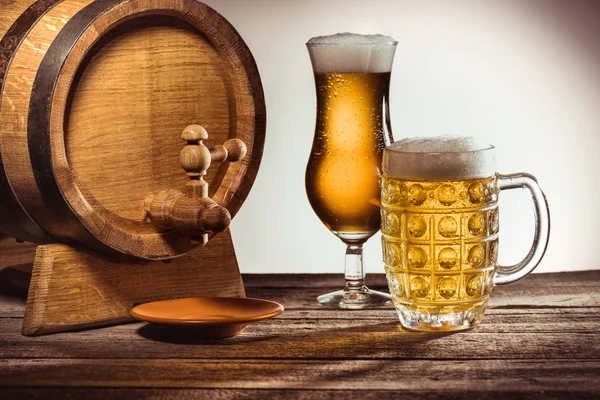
<point x="512" y="273"/>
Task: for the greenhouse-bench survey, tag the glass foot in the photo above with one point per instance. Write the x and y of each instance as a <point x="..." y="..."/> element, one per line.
<point x="422" y="320"/>
<point x="355" y="299"/>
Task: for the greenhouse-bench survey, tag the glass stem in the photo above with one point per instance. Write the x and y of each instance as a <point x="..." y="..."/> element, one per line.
<point x="355" y="272"/>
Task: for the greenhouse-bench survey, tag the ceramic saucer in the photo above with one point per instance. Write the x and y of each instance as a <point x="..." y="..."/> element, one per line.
<point x="208" y="317"/>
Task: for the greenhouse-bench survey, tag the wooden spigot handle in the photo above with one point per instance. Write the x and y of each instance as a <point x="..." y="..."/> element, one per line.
<point x="194" y="213"/>
<point x="231" y="150"/>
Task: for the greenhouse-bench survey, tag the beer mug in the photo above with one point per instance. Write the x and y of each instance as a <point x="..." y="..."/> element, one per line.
<point x="439" y="223"/>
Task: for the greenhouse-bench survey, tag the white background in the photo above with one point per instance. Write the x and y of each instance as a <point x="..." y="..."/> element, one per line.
<point x="522" y="74"/>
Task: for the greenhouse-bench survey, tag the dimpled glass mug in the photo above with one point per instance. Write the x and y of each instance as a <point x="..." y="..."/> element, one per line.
<point x="439" y="223"/>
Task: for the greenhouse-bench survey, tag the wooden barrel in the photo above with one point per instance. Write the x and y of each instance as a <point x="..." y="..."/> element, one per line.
<point x="94" y="96"/>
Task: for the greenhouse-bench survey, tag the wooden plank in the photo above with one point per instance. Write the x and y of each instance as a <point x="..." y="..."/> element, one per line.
<point x="298" y="300"/>
<point x="540" y="341"/>
<point x="12" y="305"/>
<point x="501" y="297"/>
<point x="496" y="320"/>
<point x="577" y="278"/>
<point x="548" y="294"/>
<point x="284" y="394"/>
<point x="310" y="339"/>
<point x="467" y="376"/>
<point x="569" y="289"/>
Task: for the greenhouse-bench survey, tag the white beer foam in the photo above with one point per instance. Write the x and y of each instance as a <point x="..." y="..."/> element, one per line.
<point x="352" y="53"/>
<point x="442" y="157"/>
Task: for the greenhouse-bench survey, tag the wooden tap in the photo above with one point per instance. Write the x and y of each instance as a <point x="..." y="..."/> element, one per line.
<point x="193" y="212"/>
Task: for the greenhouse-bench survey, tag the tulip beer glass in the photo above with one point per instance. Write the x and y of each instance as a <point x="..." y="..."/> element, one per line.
<point x="352" y="76"/>
<point x="439" y="219"/>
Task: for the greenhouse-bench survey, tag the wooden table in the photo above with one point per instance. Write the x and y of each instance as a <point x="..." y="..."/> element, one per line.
<point x="539" y="339"/>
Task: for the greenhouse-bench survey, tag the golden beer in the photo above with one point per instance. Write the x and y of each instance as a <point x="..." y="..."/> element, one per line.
<point x="342" y="177"/>
<point x="440" y="246"/>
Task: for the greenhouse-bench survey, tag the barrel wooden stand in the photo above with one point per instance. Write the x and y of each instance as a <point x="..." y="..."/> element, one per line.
<point x="73" y="289"/>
